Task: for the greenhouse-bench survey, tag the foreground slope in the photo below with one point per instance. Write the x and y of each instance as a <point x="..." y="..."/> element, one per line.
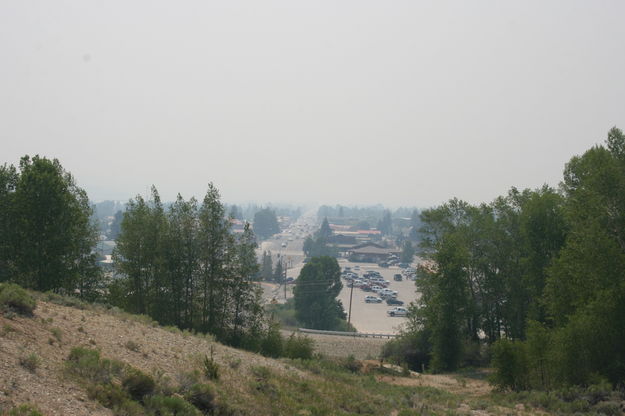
<point x="34" y="352"/>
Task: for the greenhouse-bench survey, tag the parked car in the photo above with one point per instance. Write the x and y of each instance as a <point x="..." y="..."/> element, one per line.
<point x="388" y="292"/>
<point x="397" y="311"/>
<point x="397" y="277"/>
<point x="403" y="265"/>
<point x="383" y="264"/>
<point x="393" y="301"/>
<point x="372" y="299"/>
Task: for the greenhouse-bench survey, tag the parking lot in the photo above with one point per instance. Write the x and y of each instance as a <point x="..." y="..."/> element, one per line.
<point x="372" y="317"/>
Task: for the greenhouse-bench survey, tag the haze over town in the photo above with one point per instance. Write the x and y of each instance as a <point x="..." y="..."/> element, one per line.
<point x="402" y="103"/>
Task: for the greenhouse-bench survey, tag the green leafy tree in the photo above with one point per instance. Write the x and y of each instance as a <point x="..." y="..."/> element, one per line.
<point x="315" y="293"/>
<point x="213" y="236"/>
<point x="139" y="256"/>
<point x="246" y="294"/>
<point x="49" y="237"/>
<point x="265" y="223"/>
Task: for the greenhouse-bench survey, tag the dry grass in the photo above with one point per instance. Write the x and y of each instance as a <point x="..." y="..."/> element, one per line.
<point x="248" y="384"/>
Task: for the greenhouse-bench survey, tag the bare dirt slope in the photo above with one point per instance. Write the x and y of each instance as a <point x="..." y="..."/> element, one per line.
<point x="54" y="393"/>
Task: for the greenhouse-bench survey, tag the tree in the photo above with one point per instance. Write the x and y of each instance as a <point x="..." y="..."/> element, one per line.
<point x="278" y="274"/>
<point x="8" y="182"/>
<point x="139" y="254"/>
<point x="267" y="266"/>
<point x="325" y="231"/>
<point x="265" y="223"/>
<point x="385" y="225"/>
<point x="407" y="252"/>
<point x="315" y="292"/>
<point x="213" y="234"/>
<point x="116" y="225"/>
<point x="246" y="295"/>
<point x="49" y="237"/>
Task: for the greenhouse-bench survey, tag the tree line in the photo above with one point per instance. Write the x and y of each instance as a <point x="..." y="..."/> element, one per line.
<point x="536" y="277"/>
<point x="182" y="265"/>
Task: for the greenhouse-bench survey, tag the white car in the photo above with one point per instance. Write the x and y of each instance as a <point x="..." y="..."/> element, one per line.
<point x="373" y="299"/>
<point x="388" y="292"/>
<point x="397" y="311"/>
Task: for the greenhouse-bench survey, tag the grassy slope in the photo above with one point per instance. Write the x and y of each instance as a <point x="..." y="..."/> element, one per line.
<point x="250" y="384"/>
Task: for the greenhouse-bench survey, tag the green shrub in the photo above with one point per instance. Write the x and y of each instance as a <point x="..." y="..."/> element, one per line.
<point x="510" y="363"/>
<point x="30" y="362"/>
<point x="411" y="348"/>
<point x="132" y="346"/>
<point x="25" y="410"/>
<point x="299" y="347"/>
<point x="15" y="299"/>
<point x="211" y="368"/>
<point x="202" y="397"/>
<point x="58" y="334"/>
<point x="85" y="362"/>
<point x="272" y="343"/>
<point x="63" y="300"/>
<point x="170" y="406"/>
<point x="108" y="395"/>
<point x="351" y="363"/>
<point x="609" y="408"/>
<point x="186" y="380"/>
<point x="138" y="384"/>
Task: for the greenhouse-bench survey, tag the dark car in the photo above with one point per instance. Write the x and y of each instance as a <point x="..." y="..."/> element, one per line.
<point x="397" y="277"/>
<point x="393" y="301"/>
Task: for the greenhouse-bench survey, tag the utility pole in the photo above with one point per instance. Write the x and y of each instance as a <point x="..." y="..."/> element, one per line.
<point x="284" y="268"/>
<point x="351" y="291"/>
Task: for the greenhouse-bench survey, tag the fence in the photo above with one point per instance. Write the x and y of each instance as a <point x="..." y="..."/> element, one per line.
<point x="346" y="334"/>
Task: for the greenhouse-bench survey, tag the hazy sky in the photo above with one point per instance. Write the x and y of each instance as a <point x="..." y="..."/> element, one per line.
<point x="396" y="102"/>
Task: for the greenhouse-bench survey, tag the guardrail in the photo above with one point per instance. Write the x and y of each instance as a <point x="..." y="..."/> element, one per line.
<point x="346" y="334"/>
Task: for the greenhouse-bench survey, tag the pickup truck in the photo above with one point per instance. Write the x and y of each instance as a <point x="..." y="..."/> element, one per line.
<point x="397" y="311"/>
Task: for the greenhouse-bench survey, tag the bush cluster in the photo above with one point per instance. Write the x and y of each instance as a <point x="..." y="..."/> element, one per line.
<point x="137" y="393"/>
<point x="295" y="346"/>
<point x="15" y="299"/>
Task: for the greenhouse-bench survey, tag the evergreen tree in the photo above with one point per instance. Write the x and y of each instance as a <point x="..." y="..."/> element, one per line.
<point x="267" y="266"/>
<point x="325" y="231"/>
<point x="213" y="234"/>
<point x="278" y="274"/>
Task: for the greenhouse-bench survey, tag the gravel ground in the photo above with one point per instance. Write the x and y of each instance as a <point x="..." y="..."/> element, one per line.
<point x="342" y="346"/>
